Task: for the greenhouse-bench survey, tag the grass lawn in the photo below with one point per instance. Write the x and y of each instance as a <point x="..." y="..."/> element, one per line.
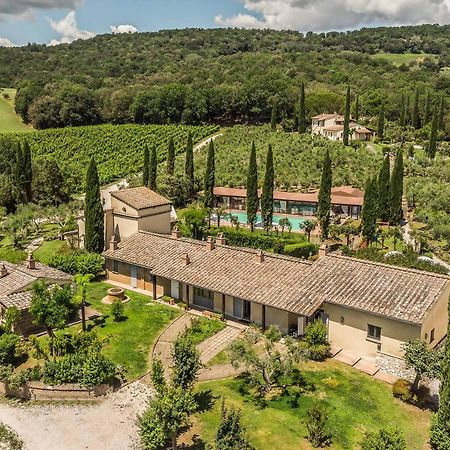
<point x="48" y="249"/>
<point x="9" y="253"/>
<point x="130" y="341"/>
<point x="355" y="402"/>
<point x="202" y="328"/>
<point x="403" y="58"/>
<point x="9" y="120"/>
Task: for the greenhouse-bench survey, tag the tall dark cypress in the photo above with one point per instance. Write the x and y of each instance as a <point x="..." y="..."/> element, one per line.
<point x="94" y="238"/>
<point x="252" y="188"/>
<point x="273" y="120"/>
<point x="357" y="108"/>
<point x="324" y="206"/>
<point x="146" y="167"/>
<point x="267" y="191"/>
<point x="440" y="426"/>
<point x="189" y="167"/>
<point x="171" y="157"/>
<point x="369" y="210"/>
<point x="432" y="143"/>
<point x="383" y="190"/>
<point x="407" y="110"/>
<point x="19" y="174"/>
<point x="416" y="112"/>
<point x="396" y="190"/>
<point x="28" y="171"/>
<point x="441" y="119"/>
<point x="210" y="177"/>
<point x="153" y="171"/>
<point x="380" y="130"/>
<point x="346" y="135"/>
<point x="402" y="119"/>
<point x="427" y="112"/>
<point x="302" y="111"/>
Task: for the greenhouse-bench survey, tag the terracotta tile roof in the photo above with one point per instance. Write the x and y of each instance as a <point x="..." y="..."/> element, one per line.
<point x="334" y="128"/>
<point x="287" y="283"/>
<point x="230" y="270"/>
<point x="342" y="195"/>
<point x="140" y="198"/>
<point x="19" y="277"/>
<point x="324" y="116"/>
<point x="363" y="130"/>
<point x="20" y="300"/>
<point x="381" y="289"/>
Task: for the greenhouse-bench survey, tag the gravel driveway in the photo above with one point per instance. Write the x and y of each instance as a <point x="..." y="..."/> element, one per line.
<point x="108" y="425"/>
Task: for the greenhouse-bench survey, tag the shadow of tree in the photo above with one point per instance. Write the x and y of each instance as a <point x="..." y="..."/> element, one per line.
<point x="197" y="444"/>
<point x="205" y="400"/>
<point x="97" y="322"/>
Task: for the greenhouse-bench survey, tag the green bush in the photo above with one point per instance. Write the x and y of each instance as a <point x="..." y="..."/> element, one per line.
<point x="9" y="438"/>
<point x="402" y="389"/>
<point x="384" y="439"/>
<point x="118" y="310"/>
<point x="78" y="262"/>
<point x="316" y="423"/>
<point x="316" y="341"/>
<point x="318" y="352"/>
<point x="8" y="346"/>
<point x="302" y="250"/>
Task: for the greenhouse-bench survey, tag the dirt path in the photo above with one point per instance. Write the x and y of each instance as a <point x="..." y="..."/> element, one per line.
<point x="107" y="425"/>
<point x="206" y="141"/>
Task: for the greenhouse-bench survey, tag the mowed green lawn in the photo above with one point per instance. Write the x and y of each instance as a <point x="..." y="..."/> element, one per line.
<point x="130" y="341"/>
<point x="355" y="402"/>
<point x="9" y="120"/>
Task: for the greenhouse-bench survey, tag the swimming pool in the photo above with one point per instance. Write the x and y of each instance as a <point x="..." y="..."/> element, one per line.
<point x="295" y="221"/>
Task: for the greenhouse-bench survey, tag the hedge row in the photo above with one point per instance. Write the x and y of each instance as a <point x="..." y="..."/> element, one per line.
<point x="78" y="262"/>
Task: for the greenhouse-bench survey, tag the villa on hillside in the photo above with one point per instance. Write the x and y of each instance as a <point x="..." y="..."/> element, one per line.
<point x="16" y="281"/>
<point x="331" y="126"/>
<point x="370" y="309"/>
<point x="345" y="200"/>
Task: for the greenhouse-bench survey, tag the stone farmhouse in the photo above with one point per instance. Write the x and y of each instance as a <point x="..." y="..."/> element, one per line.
<point x="331" y="126"/>
<point x="370" y="309"/>
<point x="16" y="281"/>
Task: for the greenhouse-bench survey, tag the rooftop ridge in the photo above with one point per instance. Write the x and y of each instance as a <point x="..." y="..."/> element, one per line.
<point x="390" y="266"/>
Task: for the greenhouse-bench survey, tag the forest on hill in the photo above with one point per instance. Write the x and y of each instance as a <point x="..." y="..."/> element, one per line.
<point x="223" y="75"/>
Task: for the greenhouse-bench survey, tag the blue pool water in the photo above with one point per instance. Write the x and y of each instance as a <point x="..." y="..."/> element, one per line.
<point x="295" y="221"/>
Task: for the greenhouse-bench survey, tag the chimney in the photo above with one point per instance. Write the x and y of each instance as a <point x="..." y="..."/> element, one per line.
<point x="220" y="239"/>
<point x="323" y="250"/>
<point x="259" y="256"/>
<point x="210" y="243"/>
<point x="176" y="233"/>
<point x="186" y="259"/>
<point x="3" y="271"/>
<point x="114" y="243"/>
<point x="31" y="263"/>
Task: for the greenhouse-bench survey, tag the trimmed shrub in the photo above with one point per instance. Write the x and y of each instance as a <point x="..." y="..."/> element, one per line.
<point x="8" y="345"/>
<point x="316" y="423"/>
<point x="303" y="250"/>
<point x="118" y="310"/>
<point x="385" y="439"/>
<point x="316" y="341"/>
<point x="81" y="262"/>
<point x="402" y="389"/>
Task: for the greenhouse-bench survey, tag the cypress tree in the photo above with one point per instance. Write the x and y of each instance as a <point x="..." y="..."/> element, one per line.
<point x="146" y="168"/>
<point x="347" y="117"/>
<point x="383" y="190"/>
<point x="381" y="123"/>
<point x="189" y="167"/>
<point x="252" y="188"/>
<point x="273" y="120"/>
<point x="396" y="190"/>
<point x="28" y="171"/>
<point x="427" y="112"/>
<point x="267" y="191"/>
<point x="94" y="238"/>
<point x="407" y="110"/>
<point x="416" y="112"/>
<point x="357" y="108"/>
<point x="19" y="173"/>
<point x="302" y="111"/>
<point x="171" y="157"/>
<point x="432" y="143"/>
<point x="441" y="121"/>
<point x="369" y="211"/>
<point x="324" y="206"/>
<point x="210" y="176"/>
<point x="402" y="119"/>
<point x="153" y="171"/>
<point x="440" y="426"/>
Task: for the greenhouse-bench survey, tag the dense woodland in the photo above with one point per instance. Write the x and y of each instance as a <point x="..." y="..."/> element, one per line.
<point x="195" y="76"/>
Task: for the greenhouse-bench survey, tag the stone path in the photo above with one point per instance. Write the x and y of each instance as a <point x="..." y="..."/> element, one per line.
<point x="215" y="344"/>
<point x="163" y="347"/>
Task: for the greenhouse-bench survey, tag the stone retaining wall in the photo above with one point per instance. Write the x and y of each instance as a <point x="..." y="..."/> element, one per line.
<point x="395" y="366"/>
<point x="39" y="391"/>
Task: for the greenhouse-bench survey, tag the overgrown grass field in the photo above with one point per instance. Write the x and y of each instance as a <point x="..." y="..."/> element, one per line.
<point x="356" y="403"/>
<point x="9" y="120"/>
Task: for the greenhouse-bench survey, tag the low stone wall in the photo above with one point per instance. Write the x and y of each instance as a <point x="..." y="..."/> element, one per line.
<point x="39" y="391"/>
<point x="395" y="366"/>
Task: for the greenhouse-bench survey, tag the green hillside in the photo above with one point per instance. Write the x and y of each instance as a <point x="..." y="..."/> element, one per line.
<point x="9" y="120"/>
